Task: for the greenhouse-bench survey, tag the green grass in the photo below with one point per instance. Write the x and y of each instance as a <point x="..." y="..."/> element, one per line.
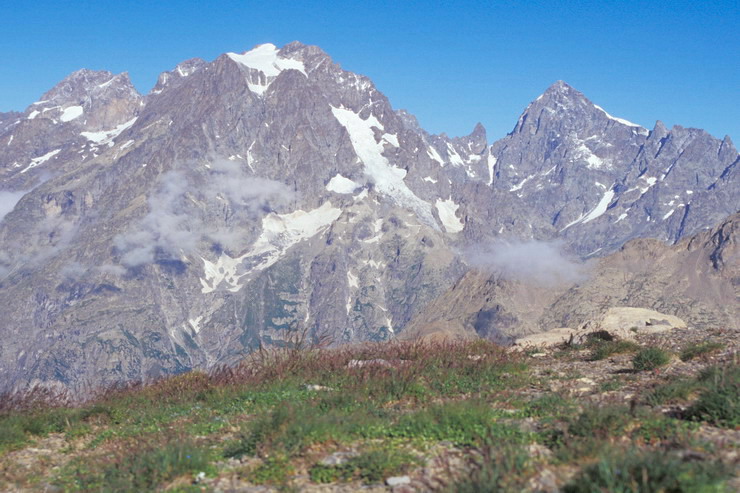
<point x="465" y="423"/>
<point x="695" y="350"/>
<point x="291" y="429"/>
<point x="140" y="467"/>
<point x="650" y="358"/>
<point x="475" y="399"/>
<point x="648" y="471"/>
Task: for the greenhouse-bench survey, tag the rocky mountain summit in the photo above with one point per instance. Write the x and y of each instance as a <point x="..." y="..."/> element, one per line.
<point x="270" y="193"/>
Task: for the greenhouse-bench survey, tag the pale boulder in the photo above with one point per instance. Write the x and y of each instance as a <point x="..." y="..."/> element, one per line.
<point x="626" y="322"/>
<point x="547" y="339"/>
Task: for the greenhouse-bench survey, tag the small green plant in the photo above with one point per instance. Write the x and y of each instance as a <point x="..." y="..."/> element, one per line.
<point x="648" y="471"/>
<point x="657" y="427"/>
<point x="695" y="350"/>
<point x="462" y="423"/>
<point x="719" y="402"/>
<point x="600" y="422"/>
<point x="650" y="358"/>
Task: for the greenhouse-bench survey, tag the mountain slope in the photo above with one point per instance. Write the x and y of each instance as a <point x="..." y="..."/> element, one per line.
<point x="697" y="280"/>
<point x="270" y="193"/>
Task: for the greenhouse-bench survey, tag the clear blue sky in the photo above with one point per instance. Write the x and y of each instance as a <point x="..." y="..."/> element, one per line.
<point x="451" y="63"/>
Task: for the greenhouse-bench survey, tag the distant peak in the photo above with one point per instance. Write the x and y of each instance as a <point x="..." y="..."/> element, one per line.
<point x="561" y="89"/>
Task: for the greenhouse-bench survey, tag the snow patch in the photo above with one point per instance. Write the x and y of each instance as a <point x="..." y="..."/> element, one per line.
<point x="107" y="136"/>
<point x="596" y="212"/>
<point x="388" y="179"/>
<point x="352" y="280"/>
<point x="455" y="158"/>
<point x="195" y="323"/>
<point x="432" y="153"/>
<point x="594" y="161"/>
<point x="71" y="113"/>
<point x="40" y="160"/>
<point x="33" y="114"/>
<point x="265" y="58"/>
<point x="519" y="185"/>
<point x="279" y="233"/>
<point x="340" y="184"/>
<point x="640" y="128"/>
<point x="621" y="216"/>
<point x="446" y="210"/>
<point x="430" y="179"/>
<point x="392" y="139"/>
<point x="650" y="182"/>
<point x="491" y="163"/>
<point x="600" y="208"/>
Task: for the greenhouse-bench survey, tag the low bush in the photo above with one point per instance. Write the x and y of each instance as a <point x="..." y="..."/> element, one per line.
<point x="601" y="349"/>
<point x="650" y="358"/>
<point x="719" y="402"/>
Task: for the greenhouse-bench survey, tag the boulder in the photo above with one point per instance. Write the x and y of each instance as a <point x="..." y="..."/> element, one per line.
<point x="547" y="339"/>
<point x="626" y="322"/>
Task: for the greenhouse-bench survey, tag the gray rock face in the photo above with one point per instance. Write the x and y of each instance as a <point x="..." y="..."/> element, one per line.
<point x="570" y="168"/>
<point x="270" y="194"/>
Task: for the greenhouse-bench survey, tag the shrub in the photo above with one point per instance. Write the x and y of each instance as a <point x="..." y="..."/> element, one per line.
<point x="719" y="402"/>
<point x="650" y="358"/>
<point x="603" y="349"/>
<point x="648" y="471"/>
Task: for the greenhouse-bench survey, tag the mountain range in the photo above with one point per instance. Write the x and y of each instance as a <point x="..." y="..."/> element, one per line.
<point x="270" y="194"/>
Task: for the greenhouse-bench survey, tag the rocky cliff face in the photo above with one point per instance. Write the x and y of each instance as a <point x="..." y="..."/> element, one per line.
<point x="271" y="193"/>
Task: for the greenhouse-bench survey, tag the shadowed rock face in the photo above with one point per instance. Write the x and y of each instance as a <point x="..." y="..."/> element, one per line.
<point x="270" y="193"/>
<point x="687" y="280"/>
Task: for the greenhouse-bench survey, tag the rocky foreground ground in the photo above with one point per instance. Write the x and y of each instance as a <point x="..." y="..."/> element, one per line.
<point x="659" y="412"/>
